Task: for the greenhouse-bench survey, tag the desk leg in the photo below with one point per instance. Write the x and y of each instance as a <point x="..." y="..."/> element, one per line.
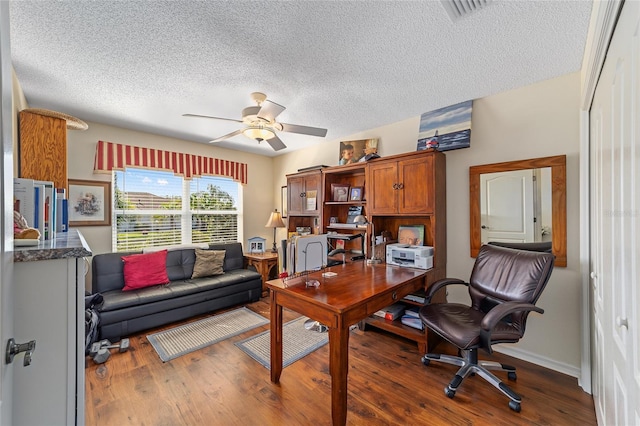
<point x="338" y="368"/>
<point x="276" y="339"/>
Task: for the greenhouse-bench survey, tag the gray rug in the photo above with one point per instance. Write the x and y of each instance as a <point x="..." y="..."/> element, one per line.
<point x="297" y="342"/>
<point x="172" y="343"/>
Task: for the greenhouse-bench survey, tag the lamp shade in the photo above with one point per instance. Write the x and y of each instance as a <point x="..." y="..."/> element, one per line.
<point x="258" y="132"/>
<point x="360" y="219"/>
<point x="275" y="220"/>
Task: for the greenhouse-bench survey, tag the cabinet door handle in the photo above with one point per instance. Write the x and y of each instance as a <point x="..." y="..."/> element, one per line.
<point x="400" y="185"/>
<point x="303" y="194"/>
<point x="395" y="186"/>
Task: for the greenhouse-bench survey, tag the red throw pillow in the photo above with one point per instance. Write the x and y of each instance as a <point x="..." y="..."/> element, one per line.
<point x="145" y="270"/>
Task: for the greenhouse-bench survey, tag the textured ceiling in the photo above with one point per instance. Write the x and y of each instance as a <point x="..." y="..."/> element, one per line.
<point x="346" y="66"/>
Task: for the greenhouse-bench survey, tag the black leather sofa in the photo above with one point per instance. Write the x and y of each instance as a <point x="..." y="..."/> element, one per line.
<point x="127" y="312"/>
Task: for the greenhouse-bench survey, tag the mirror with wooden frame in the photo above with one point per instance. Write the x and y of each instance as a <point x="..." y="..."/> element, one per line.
<point x="558" y="197"/>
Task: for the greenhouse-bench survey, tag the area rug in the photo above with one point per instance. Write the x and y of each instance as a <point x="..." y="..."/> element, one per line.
<point x="172" y="343"/>
<point x="297" y="342"/>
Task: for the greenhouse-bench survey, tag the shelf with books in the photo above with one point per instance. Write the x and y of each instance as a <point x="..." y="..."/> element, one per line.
<point x="425" y="339"/>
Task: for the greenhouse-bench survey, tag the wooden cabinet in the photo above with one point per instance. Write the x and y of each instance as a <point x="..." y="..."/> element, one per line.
<point x="302" y="189"/>
<point x="43" y="148"/>
<point x="404" y="185"/>
<point x="405" y="189"/>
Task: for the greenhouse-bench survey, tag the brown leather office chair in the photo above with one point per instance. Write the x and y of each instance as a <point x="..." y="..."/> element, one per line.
<point x="504" y="287"/>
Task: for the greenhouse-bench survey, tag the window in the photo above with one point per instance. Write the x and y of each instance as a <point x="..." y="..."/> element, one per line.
<point x="158" y="208"/>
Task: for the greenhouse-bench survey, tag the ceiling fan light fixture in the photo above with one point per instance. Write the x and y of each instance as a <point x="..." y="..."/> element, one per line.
<point x="258" y="133"/>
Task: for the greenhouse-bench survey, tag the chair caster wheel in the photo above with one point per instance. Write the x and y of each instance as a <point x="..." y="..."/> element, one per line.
<point x="450" y="393"/>
<point x="511" y="375"/>
<point x="425" y="360"/>
<point x="515" y="406"/>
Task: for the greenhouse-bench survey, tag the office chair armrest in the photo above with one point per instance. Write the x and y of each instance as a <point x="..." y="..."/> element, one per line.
<point x="498" y="313"/>
<point x="437" y="285"/>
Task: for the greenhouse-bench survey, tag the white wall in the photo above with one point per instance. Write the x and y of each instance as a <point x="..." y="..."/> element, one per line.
<point x="257" y="197"/>
<point x="534" y="121"/>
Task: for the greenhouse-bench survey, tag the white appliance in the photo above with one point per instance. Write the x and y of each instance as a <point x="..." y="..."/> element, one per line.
<point x="411" y="256"/>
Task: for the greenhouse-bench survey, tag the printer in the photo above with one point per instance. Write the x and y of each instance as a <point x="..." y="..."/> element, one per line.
<point x="408" y="255"/>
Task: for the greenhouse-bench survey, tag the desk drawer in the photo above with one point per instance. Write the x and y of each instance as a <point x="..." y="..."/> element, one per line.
<point x="390" y="298"/>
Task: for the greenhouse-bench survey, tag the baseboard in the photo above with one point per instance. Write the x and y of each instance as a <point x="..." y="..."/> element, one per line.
<point x="540" y="360"/>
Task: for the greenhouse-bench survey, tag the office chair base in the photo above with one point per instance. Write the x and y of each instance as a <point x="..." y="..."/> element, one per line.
<point x="469" y="365"/>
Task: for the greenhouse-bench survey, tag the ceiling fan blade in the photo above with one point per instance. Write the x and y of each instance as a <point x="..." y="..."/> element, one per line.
<point x="304" y="130"/>
<point x="225" y="137"/>
<point x="276" y="143"/>
<point x="270" y="110"/>
<point x="208" y="116"/>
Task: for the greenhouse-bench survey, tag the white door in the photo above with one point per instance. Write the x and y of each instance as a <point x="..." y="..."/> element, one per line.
<point x="6" y="216"/>
<point x="615" y="228"/>
<point x="506" y="206"/>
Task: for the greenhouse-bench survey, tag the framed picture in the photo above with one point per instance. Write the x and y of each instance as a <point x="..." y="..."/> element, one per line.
<point x="356" y="193"/>
<point x="339" y="192"/>
<point x="446" y="128"/>
<point x="89" y="203"/>
<point x="411" y="234"/>
<point x="357" y="151"/>
<point x="283" y="201"/>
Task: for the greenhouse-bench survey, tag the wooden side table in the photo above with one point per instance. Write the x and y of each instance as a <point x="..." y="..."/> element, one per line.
<point x="264" y="264"/>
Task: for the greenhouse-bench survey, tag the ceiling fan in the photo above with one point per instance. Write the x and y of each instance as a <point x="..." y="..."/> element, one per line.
<point x="261" y="125"/>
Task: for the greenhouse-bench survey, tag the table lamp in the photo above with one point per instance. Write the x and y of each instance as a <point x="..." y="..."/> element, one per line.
<point x="275" y="221"/>
<point x="362" y="220"/>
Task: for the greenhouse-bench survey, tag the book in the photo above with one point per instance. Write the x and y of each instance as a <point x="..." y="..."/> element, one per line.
<point x="49" y="204"/>
<point x="39" y="219"/>
<point x="24" y="199"/>
<point x="62" y="215"/>
<point x="418" y="297"/>
<point x="412" y="312"/>
<point x="412" y="321"/>
<point x="391" y="312"/>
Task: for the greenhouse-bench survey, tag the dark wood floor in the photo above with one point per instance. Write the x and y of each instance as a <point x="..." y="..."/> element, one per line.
<point x="388" y="385"/>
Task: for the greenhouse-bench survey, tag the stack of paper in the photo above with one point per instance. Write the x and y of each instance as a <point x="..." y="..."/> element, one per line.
<point x="412" y="319"/>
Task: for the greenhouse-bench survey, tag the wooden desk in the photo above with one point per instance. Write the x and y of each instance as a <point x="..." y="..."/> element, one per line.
<point x="356" y="292"/>
<point x="264" y="263"/>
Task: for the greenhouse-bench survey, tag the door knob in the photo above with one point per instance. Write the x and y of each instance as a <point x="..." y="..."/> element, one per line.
<point x="622" y="322"/>
<point x="14" y="348"/>
<point x="484" y="227"/>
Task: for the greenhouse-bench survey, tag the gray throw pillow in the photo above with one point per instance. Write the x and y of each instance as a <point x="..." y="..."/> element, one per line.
<point x="208" y="262"/>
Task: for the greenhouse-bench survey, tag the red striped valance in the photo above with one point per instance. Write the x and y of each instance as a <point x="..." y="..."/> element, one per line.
<point x="114" y="156"/>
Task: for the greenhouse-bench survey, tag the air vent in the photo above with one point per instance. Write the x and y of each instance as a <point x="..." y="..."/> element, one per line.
<point x="460" y="8"/>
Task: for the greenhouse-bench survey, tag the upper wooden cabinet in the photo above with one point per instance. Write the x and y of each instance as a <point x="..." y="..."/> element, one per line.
<point x="43" y="148"/>
<point x="302" y="189"/>
<point x="405" y="184"/>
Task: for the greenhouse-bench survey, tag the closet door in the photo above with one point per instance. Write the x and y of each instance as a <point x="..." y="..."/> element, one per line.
<point x="615" y="226"/>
